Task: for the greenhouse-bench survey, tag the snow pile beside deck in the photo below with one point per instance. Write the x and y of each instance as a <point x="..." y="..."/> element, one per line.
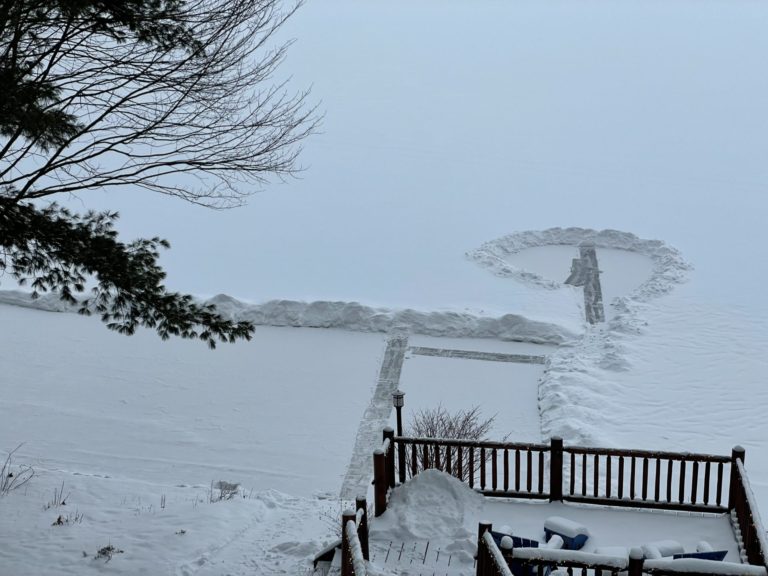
<point x="431" y="505"/>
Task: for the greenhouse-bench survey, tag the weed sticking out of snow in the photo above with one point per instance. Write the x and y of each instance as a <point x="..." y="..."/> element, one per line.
<point x="58" y="498"/>
<point x="75" y="517"/>
<point x="107" y="552"/>
<point x="14" y="476"/>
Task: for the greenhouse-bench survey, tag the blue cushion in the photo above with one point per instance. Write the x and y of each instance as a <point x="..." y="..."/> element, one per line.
<point x="711" y="555"/>
<point x="516" y="566"/>
<point x="569" y="543"/>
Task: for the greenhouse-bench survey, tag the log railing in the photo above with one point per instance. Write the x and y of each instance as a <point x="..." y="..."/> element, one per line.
<point x="647" y="479"/>
<point x="354" y="539"/>
<point x="510" y="469"/>
<point x="747" y="516"/>
<point x="490" y="560"/>
<point x="606" y="476"/>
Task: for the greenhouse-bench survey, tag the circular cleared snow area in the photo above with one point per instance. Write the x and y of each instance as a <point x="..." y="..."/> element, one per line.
<point x="621" y="271"/>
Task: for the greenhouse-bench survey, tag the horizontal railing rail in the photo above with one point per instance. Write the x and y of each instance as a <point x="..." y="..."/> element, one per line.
<point x="698" y="567"/>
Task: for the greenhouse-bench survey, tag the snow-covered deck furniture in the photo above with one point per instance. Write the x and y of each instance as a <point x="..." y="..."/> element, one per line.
<point x="574" y="535"/>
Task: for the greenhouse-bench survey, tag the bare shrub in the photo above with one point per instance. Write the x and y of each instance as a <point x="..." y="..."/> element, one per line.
<point x="466" y="424"/>
<point x="14" y="476"/>
<point x="222" y="490"/>
<point x="107" y="552"/>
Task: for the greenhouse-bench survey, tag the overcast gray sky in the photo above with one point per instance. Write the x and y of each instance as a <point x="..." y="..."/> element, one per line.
<point x="449" y="123"/>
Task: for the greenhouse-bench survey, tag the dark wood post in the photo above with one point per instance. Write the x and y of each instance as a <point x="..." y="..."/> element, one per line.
<point x="482" y="553"/>
<point x="380" y="484"/>
<point x="347" y="568"/>
<point x="401" y="460"/>
<point x="555" y="469"/>
<point x="737" y="453"/>
<point x="635" y="567"/>
<point x="389" y="434"/>
<point x="362" y="528"/>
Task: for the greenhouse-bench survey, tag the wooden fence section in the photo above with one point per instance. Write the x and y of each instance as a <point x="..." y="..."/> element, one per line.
<point x="607" y="476"/>
<point x="646" y="479"/>
<point x="354" y="540"/>
<point x="510" y="469"/>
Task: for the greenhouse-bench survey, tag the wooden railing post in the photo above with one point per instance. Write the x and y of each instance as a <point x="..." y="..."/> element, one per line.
<point x="737" y="453"/>
<point x="555" y="469"/>
<point x="635" y="567"/>
<point x="380" y="484"/>
<point x="347" y="568"/>
<point x="482" y="553"/>
<point x="362" y="528"/>
<point x="389" y="434"/>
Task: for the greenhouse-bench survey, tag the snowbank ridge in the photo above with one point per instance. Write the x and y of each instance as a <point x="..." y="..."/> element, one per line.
<point x="353" y="316"/>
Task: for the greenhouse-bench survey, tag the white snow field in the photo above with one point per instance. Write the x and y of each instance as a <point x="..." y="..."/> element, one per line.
<point x="122" y="423"/>
<point x="506" y="391"/>
<point x="457" y="136"/>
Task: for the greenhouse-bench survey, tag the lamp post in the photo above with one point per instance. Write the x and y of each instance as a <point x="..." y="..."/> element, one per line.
<point x="398" y="401"/>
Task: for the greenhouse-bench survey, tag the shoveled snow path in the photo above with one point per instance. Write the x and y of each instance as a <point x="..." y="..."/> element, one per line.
<point x="274" y="542"/>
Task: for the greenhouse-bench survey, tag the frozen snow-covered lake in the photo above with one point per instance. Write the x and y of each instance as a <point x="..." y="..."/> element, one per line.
<point x="279" y="411"/>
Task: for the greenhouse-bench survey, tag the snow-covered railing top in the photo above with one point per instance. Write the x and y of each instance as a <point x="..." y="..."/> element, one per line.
<point x="500" y="563"/>
<point x="754" y="542"/>
<point x="355" y="549"/>
<point x="698" y="566"/>
<point x="354" y="540"/>
<point x="571" y="558"/>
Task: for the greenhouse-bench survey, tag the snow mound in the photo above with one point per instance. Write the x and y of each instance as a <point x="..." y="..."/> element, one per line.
<point x="358" y="317"/>
<point x="353" y="316"/>
<point x="433" y="504"/>
<point x="669" y="268"/>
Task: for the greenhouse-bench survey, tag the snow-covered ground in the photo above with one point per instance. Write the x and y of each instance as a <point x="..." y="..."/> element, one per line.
<point x="448" y="127"/>
<point x="506" y="391"/>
